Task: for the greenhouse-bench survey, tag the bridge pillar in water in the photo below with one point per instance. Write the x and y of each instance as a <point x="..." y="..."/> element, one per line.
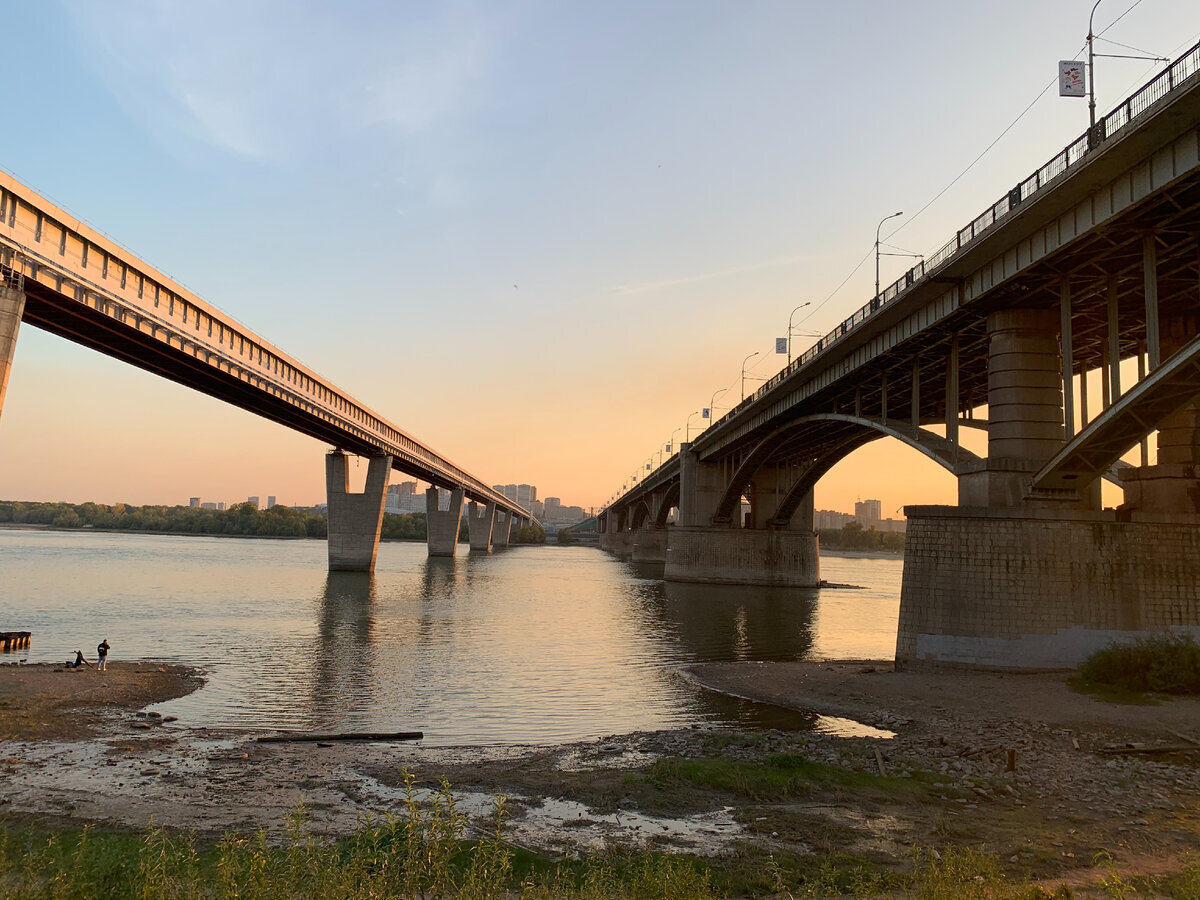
<point x="500" y="525"/>
<point x="354" y="519"/>
<point x="442" y="526"/>
<point x="777" y="553"/>
<point x="12" y="307"/>
<point x="480" y="523"/>
<point x="1171" y="485"/>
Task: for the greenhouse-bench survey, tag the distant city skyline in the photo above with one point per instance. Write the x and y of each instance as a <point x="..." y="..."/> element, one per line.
<point x="623" y="201"/>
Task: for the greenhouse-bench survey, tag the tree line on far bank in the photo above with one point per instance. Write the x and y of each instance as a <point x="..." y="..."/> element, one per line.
<point x="244" y="519"/>
<point x="853" y="536"/>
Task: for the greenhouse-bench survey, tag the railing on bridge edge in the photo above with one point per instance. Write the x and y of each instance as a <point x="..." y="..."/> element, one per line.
<point x="1172" y="77"/>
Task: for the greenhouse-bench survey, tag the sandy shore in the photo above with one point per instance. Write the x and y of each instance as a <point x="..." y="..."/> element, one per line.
<point x="49" y="702"/>
<point x="944" y="742"/>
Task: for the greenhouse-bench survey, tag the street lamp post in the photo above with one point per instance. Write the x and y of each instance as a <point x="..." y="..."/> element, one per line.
<point x="877" y="227"/>
<point x="712" y="410"/>
<point x="671" y="442"/>
<point x="1091" y="73"/>
<point x="800" y="307"/>
<point x="687" y="431"/>
<point x="744" y="361"/>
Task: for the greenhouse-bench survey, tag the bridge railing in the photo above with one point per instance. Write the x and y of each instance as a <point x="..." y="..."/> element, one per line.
<point x="1173" y="77"/>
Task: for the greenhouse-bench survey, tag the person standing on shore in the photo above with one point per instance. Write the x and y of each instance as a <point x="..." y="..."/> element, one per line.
<point x="102" y="653"/>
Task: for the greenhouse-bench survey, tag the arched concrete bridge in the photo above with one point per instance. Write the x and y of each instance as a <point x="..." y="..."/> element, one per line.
<point x="1090" y="265"/>
<point x="62" y="276"/>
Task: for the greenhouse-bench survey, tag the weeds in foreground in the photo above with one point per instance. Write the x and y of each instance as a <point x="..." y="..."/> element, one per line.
<point x="423" y="853"/>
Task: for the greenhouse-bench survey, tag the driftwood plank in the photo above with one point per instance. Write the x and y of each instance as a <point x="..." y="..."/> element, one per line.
<point x="297" y="736"/>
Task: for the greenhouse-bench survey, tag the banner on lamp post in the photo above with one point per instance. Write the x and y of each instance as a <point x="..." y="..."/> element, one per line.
<point x="706" y="413"/>
<point x="1071" y="80"/>
<point x="781" y="345"/>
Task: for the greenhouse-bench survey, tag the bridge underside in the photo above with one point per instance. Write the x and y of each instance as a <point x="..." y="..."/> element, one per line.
<point x="84" y="325"/>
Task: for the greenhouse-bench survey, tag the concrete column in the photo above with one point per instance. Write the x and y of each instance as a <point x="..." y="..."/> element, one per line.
<point x="12" y="307"/>
<point x="768" y="489"/>
<point x="759" y="554"/>
<point x="354" y="519"/>
<point x="701" y="487"/>
<point x="442" y="526"/>
<point x="1170" y="486"/>
<point x="500" y="525"/>
<point x="1025" y="407"/>
<point x="479" y="526"/>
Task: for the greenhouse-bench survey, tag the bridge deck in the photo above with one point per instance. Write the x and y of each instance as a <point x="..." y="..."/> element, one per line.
<point x="83" y="287"/>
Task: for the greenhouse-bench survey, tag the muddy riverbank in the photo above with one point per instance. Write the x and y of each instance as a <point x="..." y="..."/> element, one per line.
<point x="1016" y="764"/>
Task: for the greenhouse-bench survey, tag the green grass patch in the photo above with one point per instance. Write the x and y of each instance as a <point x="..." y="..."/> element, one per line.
<point x="1163" y="664"/>
<point x="1110" y="693"/>
<point x="781" y="776"/>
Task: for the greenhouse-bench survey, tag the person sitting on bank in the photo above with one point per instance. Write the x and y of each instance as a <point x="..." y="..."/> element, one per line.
<point x="102" y="653"/>
<point x="79" y="661"/>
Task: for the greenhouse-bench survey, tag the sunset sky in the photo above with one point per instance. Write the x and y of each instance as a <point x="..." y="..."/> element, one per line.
<point x="535" y="235"/>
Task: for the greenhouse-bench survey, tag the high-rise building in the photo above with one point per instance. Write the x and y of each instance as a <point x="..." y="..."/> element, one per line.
<point x="270" y="500"/>
<point x="209" y="505"/>
<point x="526" y="494"/>
<point x="194" y="502"/>
<point x="403" y="499"/>
<point x="868" y="512"/>
<point x="253" y="501"/>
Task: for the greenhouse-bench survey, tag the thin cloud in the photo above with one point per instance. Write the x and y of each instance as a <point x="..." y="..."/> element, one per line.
<point x="272" y="80"/>
<point x="646" y="287"/>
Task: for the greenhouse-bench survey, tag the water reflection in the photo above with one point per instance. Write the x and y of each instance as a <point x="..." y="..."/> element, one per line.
<point x="342" y="660"/>
<point x="716" y="622"/>
<point x="537" y="644"/>
<point x="439" y="576"/>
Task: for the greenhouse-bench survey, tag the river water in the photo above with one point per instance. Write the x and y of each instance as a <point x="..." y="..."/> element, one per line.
<point x="532" y="645"/>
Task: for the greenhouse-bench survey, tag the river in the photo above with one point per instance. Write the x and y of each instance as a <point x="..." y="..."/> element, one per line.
<point x="531" y="645"/>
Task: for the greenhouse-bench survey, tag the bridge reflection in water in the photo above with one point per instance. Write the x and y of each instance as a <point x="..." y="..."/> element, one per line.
<point x="381" y="649"/>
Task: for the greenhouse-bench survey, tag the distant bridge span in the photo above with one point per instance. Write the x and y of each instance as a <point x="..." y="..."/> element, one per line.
<point x="64" y="277"/>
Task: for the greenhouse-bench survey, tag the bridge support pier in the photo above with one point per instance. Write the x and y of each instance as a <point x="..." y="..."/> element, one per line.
<point x="699" y="550"/>
<point x="12" y="307"/>
<point x="480" y="526"/>
<point x="1041" y="589"/>
<point x="500" y="526"/>
<point x="354" y="519"/>
<point x="442" y="526"/>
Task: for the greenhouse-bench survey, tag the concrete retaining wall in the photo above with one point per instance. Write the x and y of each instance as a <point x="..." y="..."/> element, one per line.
<point x="742" y="556"/>
<point x="1036" y="590"/>
<point x="650" y="545"/>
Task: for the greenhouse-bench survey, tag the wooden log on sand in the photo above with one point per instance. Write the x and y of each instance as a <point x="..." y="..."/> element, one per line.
<point x="296" y="736"/>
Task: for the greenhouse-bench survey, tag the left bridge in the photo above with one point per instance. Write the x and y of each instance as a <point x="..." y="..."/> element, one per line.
<point x="64" y="277"/>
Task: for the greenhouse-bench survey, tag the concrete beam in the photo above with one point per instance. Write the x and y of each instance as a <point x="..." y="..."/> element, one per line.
<point x="12" y="306"/>
<point x="441" y="526"/>
<point x="354" y="519"/>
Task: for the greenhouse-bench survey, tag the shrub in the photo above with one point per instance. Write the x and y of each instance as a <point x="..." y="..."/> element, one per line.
<point x="1165" y="664"/>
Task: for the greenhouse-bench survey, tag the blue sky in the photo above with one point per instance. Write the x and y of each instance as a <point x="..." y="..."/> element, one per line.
<point x="535" y="235"/>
